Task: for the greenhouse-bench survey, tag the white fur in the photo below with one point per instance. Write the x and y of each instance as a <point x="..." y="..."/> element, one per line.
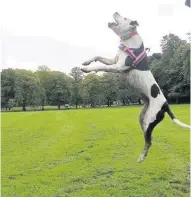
<point x="181" y="124"/>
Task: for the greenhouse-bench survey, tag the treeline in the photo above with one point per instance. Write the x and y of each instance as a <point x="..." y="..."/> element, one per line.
<point x="23" y="88"/>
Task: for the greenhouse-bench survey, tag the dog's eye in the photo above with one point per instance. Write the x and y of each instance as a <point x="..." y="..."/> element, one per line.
<point x="125" y="18"/>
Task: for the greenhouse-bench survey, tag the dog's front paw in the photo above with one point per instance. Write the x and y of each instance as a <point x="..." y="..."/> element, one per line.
<point x="86" y="63"/>
<point x="85" y="70"/>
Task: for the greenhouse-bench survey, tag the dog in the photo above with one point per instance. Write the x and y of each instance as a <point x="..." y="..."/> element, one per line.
<point x="132" y="61"/>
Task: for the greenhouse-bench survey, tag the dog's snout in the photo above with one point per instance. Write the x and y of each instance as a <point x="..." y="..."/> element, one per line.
<point x="116" y="13"/>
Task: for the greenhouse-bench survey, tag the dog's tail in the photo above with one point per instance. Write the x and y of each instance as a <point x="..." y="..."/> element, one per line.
<point x="172" y="116"/>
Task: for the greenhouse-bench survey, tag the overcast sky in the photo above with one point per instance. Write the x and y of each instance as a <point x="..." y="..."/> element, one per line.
<point x="62" y="34"/>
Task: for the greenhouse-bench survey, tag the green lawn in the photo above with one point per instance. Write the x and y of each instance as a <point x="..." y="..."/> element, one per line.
<point x="93" y="153"/>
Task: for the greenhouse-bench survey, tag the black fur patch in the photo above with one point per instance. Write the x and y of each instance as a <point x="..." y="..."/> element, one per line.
<point x="159" y="118"/>
<point x="134" y="23"/>
<point x="155" y="90"/>
<point x="128" y="61"/>
<point x="167" y="109"/>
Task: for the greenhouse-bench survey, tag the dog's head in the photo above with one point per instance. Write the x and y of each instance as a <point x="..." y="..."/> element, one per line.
<point x="122" y="25"/>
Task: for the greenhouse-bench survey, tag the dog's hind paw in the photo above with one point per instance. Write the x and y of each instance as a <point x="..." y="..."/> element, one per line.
<point x="141" y="158"/>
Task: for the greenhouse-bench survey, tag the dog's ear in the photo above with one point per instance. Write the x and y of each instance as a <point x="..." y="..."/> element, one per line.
<point x="134" y="23"/>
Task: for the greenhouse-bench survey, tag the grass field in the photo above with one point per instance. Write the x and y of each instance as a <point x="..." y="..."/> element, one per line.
<point x="92" y="153"/>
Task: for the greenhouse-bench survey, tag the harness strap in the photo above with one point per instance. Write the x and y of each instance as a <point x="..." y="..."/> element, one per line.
<point x="133" y="56"/>
<point x="136" y="59"/>
<point x="140" y="58"/>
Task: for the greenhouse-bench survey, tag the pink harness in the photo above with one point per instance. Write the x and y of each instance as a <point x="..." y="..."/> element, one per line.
<point x="136" y="59"/>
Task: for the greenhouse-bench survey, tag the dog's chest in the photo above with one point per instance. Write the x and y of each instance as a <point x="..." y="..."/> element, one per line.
<point x="143" y="82"/>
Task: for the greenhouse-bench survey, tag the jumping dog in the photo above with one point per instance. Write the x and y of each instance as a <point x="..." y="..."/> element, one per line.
<point x="132" y="61"/>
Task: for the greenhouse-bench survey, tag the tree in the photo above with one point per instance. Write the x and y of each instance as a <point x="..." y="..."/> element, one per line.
<point x="7" y="86"/>
<point x="45" y="77"/>
<point x="43" y="68"/>
<point x="60" y="90"/>
<point x="123" y="92"/>
<point x="91" y="89"/>
<point x="159" y="70"/>
<point x="56" y="86"/>
<point x="186" y="63"/>
<point x="42" y="95"/>
<point x="77" y="75"/>
<point x="110" y="87"/>
<point x="189" y="36"/>
<point x="179" y="80"/>
<point x="172" y="70"/>
<point x="27" y="89"/>
<point x="169" y="45"/>
<point x="11" y="103"/>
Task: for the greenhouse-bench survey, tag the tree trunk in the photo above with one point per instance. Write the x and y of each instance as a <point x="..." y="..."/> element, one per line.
<point x="43" y="104"/>
<point x="108" y="102"/>
<point x="177" y="100"/>
<point x="76" y="105"/>
<point x="139" y="101"/>
<point x="59" y="107"/>
<point x="24" y="105"/>
<point x="24" y="108"/>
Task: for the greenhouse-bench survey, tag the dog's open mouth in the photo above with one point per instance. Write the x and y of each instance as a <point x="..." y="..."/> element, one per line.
<point x="110" y="24"/>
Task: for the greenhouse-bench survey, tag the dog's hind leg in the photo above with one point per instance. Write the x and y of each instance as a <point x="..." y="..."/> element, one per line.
<point x="148" y="127"/>
<point x="141" y="121"/>
<point x="143" y="111"/>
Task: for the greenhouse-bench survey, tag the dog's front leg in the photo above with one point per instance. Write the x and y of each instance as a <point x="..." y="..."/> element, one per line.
<point x="102" y="60"/>
<point x="115" y="68"/>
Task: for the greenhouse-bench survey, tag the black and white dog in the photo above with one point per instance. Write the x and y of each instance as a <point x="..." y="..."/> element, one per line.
<point x="132" y="62"/>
